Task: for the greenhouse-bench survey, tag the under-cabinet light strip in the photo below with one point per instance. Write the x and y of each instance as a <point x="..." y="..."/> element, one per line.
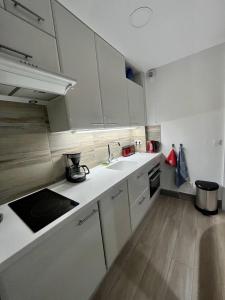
<point x="102" y="129"/>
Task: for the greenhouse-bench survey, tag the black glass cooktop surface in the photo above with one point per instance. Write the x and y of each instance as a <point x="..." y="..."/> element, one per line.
<point x="41" y="208"/>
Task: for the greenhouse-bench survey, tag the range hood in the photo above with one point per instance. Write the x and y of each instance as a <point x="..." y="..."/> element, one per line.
<point x="26" y="83"/>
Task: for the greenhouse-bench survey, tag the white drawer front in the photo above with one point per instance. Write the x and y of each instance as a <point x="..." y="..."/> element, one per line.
<point x="137" y="183"/>
<point x="139" y="208"/>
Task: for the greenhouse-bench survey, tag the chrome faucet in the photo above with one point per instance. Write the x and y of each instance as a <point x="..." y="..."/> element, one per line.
<point x="110" y="157"/>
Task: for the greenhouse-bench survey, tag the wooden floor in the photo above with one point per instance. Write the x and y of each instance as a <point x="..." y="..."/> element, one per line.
<point x="176" y="253"/>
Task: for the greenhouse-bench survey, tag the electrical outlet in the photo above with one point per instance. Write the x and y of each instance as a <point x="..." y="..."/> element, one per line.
<point x="138" y="142"/>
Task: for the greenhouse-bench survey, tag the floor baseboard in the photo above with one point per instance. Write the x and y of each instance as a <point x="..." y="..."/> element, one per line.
<point x="178" y="195"/>
<point x="183" y="196"/>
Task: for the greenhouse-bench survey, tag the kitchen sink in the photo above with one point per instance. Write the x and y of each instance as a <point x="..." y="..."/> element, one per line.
<point x="122" y="165"/>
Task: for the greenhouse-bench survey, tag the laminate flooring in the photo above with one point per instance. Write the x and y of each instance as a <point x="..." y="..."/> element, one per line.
<point x="175" y="254"/>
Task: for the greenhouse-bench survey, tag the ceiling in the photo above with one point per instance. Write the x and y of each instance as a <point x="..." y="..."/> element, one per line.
<point x="177" y="28"/>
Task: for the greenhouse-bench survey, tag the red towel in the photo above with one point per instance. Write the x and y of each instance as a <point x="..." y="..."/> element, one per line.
<point x="172" y="158"/>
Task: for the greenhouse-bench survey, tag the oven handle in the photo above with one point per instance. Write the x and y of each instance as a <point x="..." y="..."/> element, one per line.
<point x="154" y="177"/>
<point x="153" y="172"/>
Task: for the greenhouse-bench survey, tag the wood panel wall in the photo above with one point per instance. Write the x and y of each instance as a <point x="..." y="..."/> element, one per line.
<point x="31" y="156"/>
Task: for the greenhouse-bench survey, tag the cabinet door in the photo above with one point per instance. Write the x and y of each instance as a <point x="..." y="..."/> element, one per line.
<point x="112" y="84"/>
<point x="78" y="60"/>
<point x="136" y="103"/>
<point x="67" y="265"/>
<point x="21" y="36"/>
<point x="115" y="220"/>
<point x="137" y="183"/>
<point x="38" y="13"/>
<point x="139" y="208"/>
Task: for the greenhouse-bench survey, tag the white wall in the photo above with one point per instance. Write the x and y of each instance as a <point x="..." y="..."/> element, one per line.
<point x="187" y="98"/>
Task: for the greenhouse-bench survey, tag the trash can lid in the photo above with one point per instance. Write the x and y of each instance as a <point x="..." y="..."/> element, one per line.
<point x="207" y="185"/>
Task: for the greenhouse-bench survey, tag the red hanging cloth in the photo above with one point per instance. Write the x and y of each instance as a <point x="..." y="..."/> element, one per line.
<point x="172" y="158"/>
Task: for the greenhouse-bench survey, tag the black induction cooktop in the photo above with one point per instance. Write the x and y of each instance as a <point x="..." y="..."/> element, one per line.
<point x="41" y="208"/>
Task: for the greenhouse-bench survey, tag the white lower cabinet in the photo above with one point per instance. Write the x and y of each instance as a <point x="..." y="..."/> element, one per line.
<point x="139" y="208"/>
<point x="115" y="220"/>
<point x="68" y="265"/>
<point x="137" y="183"/>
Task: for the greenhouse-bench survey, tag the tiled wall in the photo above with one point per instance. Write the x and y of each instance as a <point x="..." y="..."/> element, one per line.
<point x="153" y="133"/>
<point x="31" y="156"/>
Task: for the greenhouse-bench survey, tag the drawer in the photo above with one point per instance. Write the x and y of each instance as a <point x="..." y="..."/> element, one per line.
<point x="17" y="36"/>
<point x="137" y="183"/>
<point x="139" y="208"/>
<point x="36" y="12"/>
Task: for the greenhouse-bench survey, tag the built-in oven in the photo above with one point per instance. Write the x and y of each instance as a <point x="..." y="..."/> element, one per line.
<point x="154" y="179"/>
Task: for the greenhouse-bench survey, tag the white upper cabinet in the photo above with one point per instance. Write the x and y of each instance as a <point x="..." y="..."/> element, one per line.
<point x="115" y="220"/>
<point x="36" y="12"/>
<point x="136" y="103"/>
<point x="69" y="264"/>
<point x="77" y="53"/>
<point x="1" y="3"/>
<point x="113" y="87"/>
<point x="23" y="42"/>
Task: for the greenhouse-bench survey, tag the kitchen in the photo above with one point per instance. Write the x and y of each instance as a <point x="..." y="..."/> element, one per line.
<point x="85" y="100"/>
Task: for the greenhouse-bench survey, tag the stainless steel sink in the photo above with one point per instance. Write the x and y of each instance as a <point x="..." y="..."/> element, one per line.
<point x="122" y="165"/>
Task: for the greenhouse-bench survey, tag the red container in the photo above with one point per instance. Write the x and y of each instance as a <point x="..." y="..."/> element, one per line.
<point x="152" y="146"/>
<point x="128" y="150"/>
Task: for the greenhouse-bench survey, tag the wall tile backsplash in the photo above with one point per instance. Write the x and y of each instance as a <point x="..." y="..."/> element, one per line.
<point x="153" y="132"/>
<point x="31" y="156"/>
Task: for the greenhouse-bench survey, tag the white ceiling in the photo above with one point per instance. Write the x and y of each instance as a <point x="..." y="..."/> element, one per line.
<point x="177" y="28"/>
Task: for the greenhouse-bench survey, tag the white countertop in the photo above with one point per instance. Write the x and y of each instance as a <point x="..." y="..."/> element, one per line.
<point x="16" y="238"/>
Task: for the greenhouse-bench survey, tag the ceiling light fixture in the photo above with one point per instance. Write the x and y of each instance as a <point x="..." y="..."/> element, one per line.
<point x="141" y="16"/>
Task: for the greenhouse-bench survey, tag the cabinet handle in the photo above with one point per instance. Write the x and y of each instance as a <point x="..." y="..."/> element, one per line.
<point x="142" y="200"/>
<point x="97" y="124"/>
<point x="140" y="175"/>
<point x="117" y="194"/>
<point x="39" y="18"/>
<point x="16" y="51"/>
<point x="81" y="221"/>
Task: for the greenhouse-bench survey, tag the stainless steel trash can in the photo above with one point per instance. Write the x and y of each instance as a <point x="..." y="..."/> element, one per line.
<point x="206" y="197"/>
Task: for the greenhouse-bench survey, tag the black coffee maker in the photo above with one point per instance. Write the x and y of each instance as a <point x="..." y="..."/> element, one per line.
<point x="74" y="171"/>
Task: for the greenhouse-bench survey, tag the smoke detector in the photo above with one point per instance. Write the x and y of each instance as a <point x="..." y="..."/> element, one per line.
<point x="140" y="16"/>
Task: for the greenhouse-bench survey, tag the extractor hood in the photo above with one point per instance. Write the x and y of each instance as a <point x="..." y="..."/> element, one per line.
<point x="22" y="82"/>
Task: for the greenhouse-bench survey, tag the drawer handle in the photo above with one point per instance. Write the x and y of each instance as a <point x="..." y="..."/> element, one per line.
<point x="142" y="200"/>
<point x="140" y="175"/>
<point x="16" y="51"/>
<point x="81" y="221"/>
<point x="116" y="195"/>
<point x="111" y="123"/>
<point x="97" y="124"/>
<point x="16" y="3"/>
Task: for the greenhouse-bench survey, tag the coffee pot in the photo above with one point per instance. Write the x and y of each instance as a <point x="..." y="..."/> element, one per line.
<point x="74" y="171"/>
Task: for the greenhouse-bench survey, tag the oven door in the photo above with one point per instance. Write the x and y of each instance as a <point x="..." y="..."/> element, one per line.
<point x="154" y="180"/>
